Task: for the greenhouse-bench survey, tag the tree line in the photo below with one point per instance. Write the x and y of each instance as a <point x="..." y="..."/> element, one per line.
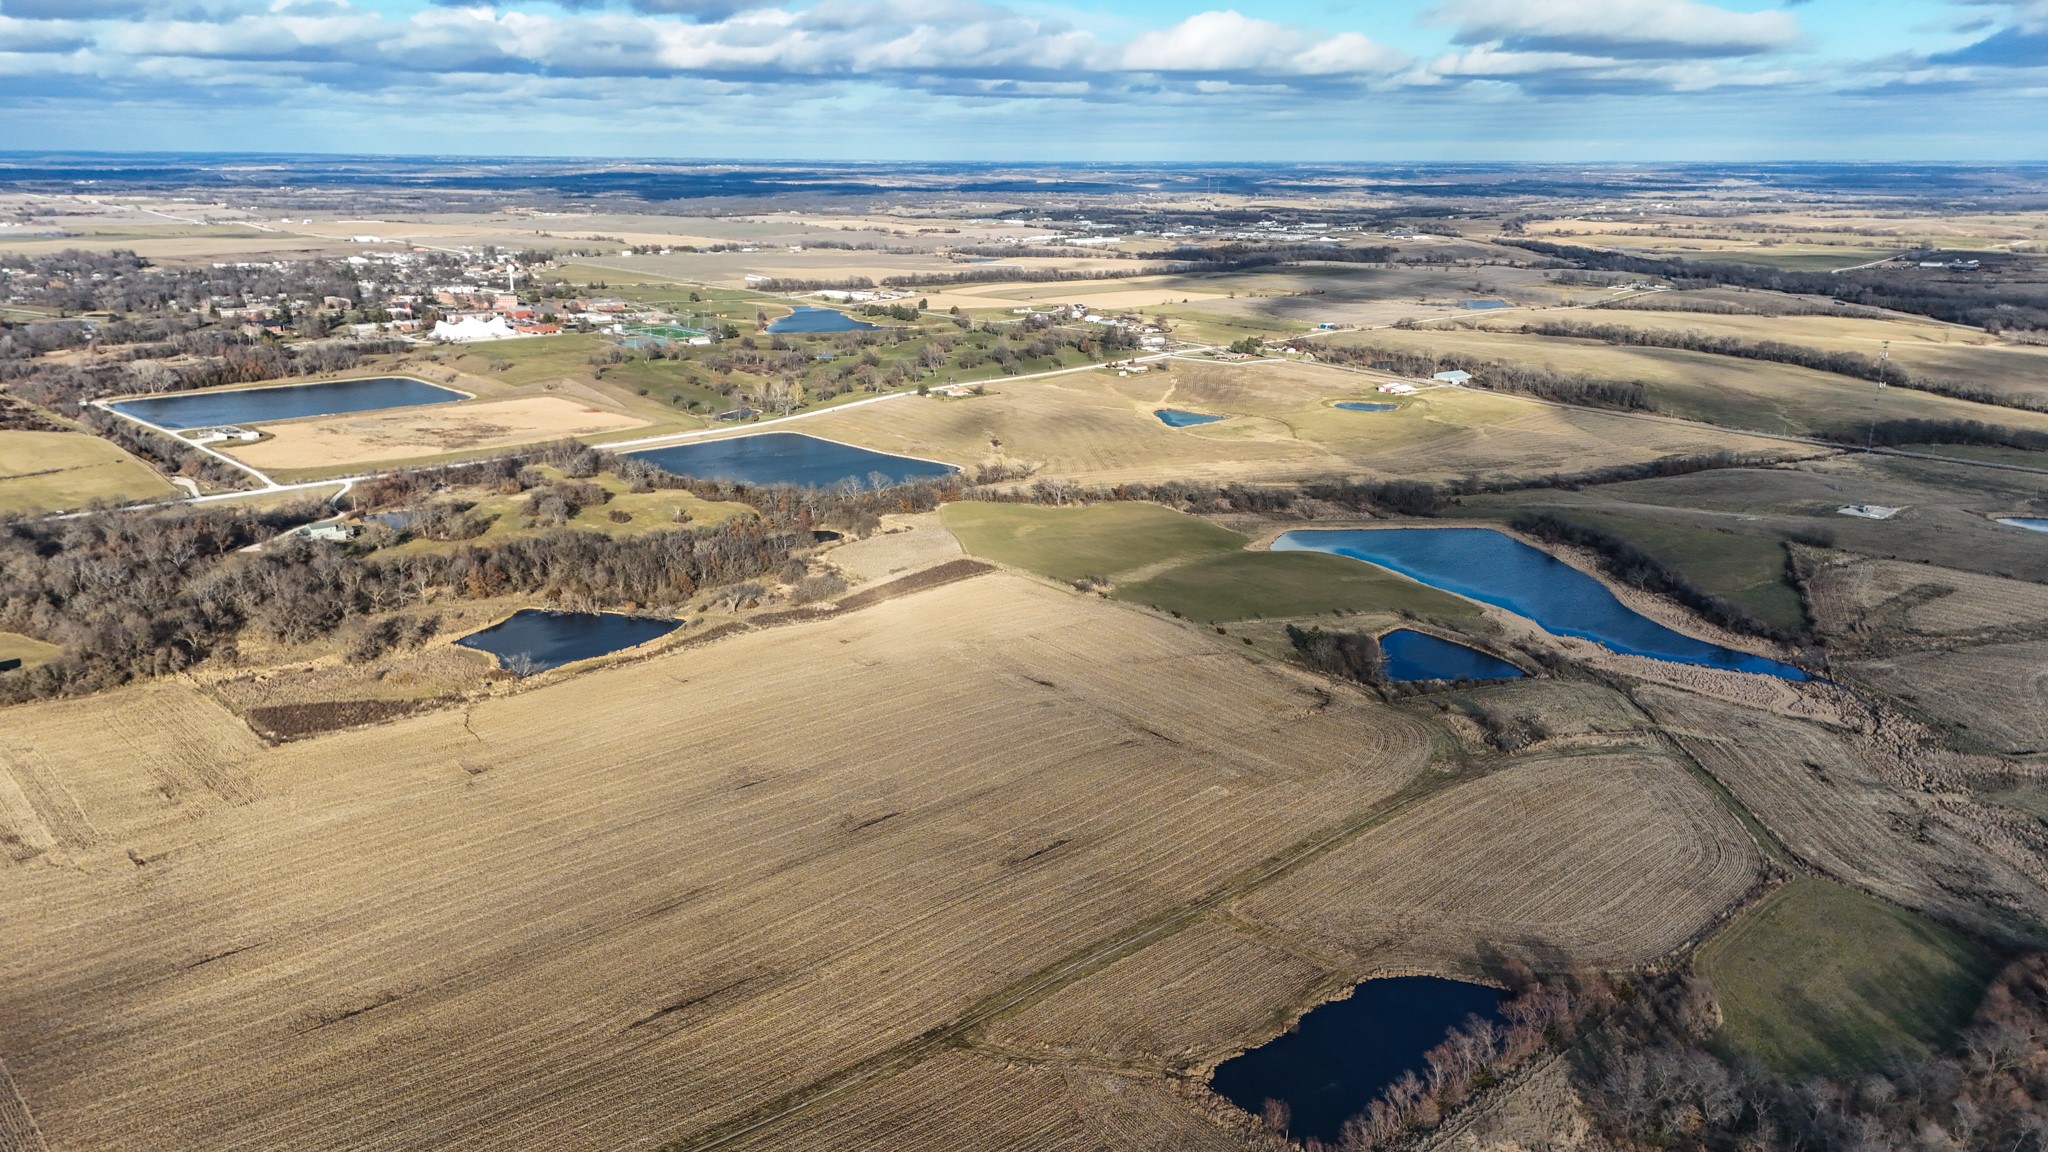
<point x="1852" y="364"/>
<point x="1980" y="301"/>
<point x="1494" y="375"/>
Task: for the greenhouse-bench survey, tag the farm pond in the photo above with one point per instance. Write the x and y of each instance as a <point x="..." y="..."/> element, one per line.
<point x="1176" y="418"/>
<point x="1366" y="406"/>
<point x="808" y="319"/>
<point x="1412" y="655"/>
<point x="183" y="410"/>
<point x="1345" y="1053"/>
<point x="791" y="458"/>
<point x="535" y="639"/>
<point x="1495" y="568"/>
<point x="2030" y="523"/>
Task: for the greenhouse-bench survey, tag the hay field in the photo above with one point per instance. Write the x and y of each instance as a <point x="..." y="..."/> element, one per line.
<point x="1995" y="694"/>
<point x="1098" y="428"/>
<point x="1921" y="346"/>
<point x="332" y="441"/>
<point x="59" y="471"/>
<point x="625" y="906"/>
<point x="1613" y="858"/>
<point x="1725" y="390"/>
<point x="906" y="542"/>
<point x="1831" y="809"/>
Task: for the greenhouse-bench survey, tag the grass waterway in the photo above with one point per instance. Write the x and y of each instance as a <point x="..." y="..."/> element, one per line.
<point x="791" y="458"/>
<point x="1495" y="568"/>
<point x="534" y="640"/>
<point x="287" y="402"/>
<point x="1344" y="1053"/>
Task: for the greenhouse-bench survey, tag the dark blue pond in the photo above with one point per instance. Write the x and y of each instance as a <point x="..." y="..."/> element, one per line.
<point x="1415" y="655"/>
<point x="1366" y="406"/>
<point x="1495" y="568"/>
<point x="256" y="405"/>
<point x="1482" y="304"/>
<point x="808" y="319"/>
<point x="551" y="639"/>
<point x="1343" y="1054"/>
<point x="790" y="458"/>
<point x="2030" y="523"/>
<point x="1175" y="418"/>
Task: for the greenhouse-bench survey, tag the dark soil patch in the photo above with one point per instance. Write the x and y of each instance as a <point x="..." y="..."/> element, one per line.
<point x="282" y="722"/>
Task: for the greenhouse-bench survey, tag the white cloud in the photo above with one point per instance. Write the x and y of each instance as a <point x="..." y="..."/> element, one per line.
<point x="1655" y="28"/>
<point x="1218" y="43"/>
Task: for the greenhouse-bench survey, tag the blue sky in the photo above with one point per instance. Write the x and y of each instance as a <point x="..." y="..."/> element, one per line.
<point x="1613" y="80"/>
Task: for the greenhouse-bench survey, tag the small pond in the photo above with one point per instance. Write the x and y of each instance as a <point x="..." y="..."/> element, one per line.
<point x="180" y="410"/>
<point x="2030" y="523"/>
<point x="1176" y="418"/>
<point x="809" y="319"/>
<point x="1344" y="1053"/>
<point x="1495" y="568"/>
<point x="1366" y="406"/>
<point x="535" y="640"/>
<point x="1482" y="304"/>
<point x="791" y="458"/>
<point x="1415" y="655"/>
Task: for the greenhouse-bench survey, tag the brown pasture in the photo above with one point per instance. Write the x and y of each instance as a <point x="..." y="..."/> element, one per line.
<point x="1099" y="428"/>
<point x="1833" y="810"/>
<point x="629" y="905"/>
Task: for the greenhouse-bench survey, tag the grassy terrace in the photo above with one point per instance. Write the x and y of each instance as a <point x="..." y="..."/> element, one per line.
<point x="1822" y="979"/>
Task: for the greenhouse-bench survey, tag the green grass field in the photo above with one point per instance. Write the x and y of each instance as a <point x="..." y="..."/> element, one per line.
<point x="1259" y="585"/>
<point x="1749" y="570"/>
<point x="60" y="471"/>
<point x="31" y="652"/>
<point x="1179" y="563"/>
<point x="1096" y="540"/>
<point x="1820" y="978"/>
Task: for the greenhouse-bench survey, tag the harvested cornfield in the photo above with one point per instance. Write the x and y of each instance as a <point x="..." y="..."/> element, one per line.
<point x="1616" y="857"/>
<point x="625" y="907"/>
<point x="1813" y="791"/>
<point x="967" y="1102"/>
<point x="1871" y="601"/>
<point x="1995" y="696"/>
<point x="79" y="778"/>
<point x="1186" y="1000"/>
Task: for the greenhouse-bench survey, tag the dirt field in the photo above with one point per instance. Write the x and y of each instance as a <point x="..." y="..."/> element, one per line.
<point x="389" y="436"/>
<point x="1997" y="693"/>
<point x="1616" y="858"/>
<point x="59" y="471"/>
<point x="1098" y="428"/>
<point x="644" y="920"/>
